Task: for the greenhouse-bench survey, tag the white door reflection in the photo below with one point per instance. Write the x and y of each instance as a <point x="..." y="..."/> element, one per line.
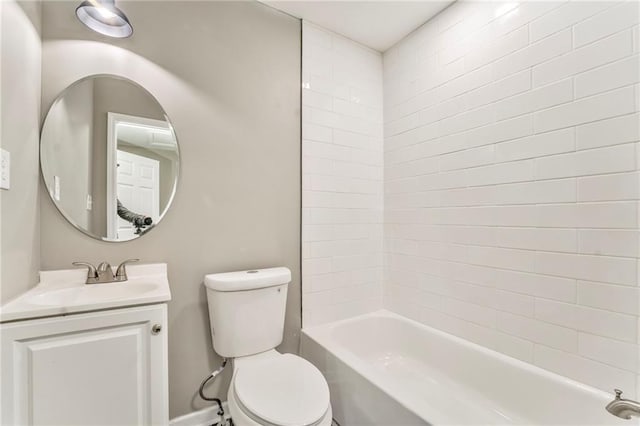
<point x="138" y="181"/>
<point x="141" y="152"/>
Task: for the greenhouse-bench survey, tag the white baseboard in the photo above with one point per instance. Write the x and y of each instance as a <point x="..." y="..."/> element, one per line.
<point x="205" y="417"/>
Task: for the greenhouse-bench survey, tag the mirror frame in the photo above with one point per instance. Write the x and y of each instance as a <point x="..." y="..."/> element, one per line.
<point x="69" y="219"/>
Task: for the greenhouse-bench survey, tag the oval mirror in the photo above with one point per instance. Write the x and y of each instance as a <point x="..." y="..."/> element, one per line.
<point x="109" y="158"/>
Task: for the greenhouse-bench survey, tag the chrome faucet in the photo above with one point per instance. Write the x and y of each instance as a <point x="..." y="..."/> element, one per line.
<point x="104" y="273"/>
<point x="623" y="408"/>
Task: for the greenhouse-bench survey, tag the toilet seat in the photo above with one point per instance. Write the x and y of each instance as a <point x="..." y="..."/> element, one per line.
<point x="286" y="391"/>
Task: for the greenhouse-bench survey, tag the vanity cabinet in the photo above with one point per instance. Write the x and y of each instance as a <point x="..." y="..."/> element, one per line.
<point x="105" y="367"/>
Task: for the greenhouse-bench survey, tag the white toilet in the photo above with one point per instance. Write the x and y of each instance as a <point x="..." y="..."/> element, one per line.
<point x="246" y="311"/>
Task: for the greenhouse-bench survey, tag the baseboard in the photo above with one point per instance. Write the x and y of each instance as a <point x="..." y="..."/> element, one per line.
<point x="205" y="417"/>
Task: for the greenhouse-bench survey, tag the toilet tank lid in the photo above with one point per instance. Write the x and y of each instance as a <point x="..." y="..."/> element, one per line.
<point x="248" y="280"/>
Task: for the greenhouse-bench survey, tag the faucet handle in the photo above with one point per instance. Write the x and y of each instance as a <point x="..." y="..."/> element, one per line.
<point x="121" y="272"/>
<point x="91" y="272"/>
<point x="618" y="393"/>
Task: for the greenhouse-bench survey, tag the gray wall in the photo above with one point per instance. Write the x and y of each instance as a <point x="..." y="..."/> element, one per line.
<point x="227" y="74"/>
<point x="68" y="149"/>
<point x="19" y="134"/>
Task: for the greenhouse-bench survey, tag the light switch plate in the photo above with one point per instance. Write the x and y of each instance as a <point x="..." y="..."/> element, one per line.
<point x="56" y="188"/>
<point x="5" y="169"/>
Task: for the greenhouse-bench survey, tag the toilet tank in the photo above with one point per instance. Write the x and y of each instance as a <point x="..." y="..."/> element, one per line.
<point x="246" y="310"/>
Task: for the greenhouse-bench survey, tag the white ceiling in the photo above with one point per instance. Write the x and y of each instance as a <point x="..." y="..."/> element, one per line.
<point x="377" y="24"/>
<point x="152" y="138"/>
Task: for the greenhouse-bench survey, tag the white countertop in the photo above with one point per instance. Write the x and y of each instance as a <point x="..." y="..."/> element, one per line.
<point x="64" y="291"/>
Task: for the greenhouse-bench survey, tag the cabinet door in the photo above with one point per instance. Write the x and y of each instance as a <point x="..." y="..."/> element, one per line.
<point x="100" y="368"/>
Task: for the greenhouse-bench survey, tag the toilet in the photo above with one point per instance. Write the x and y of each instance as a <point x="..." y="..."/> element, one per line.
<point x="246" y="313"/>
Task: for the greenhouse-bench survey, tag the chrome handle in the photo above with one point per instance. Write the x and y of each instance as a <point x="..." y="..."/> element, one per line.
<point x="157" y="328"/>
<point x="121" y="272"/>
<point x="618" y="393"/>
<point x="91" y="273"/>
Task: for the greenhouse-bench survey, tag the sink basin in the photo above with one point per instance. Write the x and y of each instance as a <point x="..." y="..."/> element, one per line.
<point x="90" y="293"/>
<point x="64" y="292"/>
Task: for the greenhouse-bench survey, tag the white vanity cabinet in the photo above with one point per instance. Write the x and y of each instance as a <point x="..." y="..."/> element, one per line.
<point x="98" y="368"/>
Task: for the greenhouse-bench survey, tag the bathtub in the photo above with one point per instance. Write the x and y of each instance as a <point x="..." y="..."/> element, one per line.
<point x="384" y="369"/>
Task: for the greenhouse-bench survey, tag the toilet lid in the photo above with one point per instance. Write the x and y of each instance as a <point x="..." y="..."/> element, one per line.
<point x="286" y="390"/>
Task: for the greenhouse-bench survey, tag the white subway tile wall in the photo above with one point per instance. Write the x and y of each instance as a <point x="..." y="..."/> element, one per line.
<point x="511" y="182"/>
<point x="342" y="177"/>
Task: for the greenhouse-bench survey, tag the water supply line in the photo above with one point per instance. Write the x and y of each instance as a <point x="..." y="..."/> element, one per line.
<point x="212" y="376"/>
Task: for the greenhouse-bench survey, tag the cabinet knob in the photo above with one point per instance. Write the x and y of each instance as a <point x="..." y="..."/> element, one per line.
<point x="157" y="328"/>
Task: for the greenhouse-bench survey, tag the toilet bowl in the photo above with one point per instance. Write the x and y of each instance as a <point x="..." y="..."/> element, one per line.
<point x="278" y="390"/>
<point x="246" y="313"/>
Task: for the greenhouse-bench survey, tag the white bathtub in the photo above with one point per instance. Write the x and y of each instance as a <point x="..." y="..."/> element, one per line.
<point x="384" y="369"/>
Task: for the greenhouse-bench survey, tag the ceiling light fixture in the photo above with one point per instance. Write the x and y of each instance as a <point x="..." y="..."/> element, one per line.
<point x="103" y="17"/>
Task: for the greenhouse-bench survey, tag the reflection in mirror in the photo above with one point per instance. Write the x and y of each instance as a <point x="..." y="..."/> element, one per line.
<point x="109" y="158"/>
